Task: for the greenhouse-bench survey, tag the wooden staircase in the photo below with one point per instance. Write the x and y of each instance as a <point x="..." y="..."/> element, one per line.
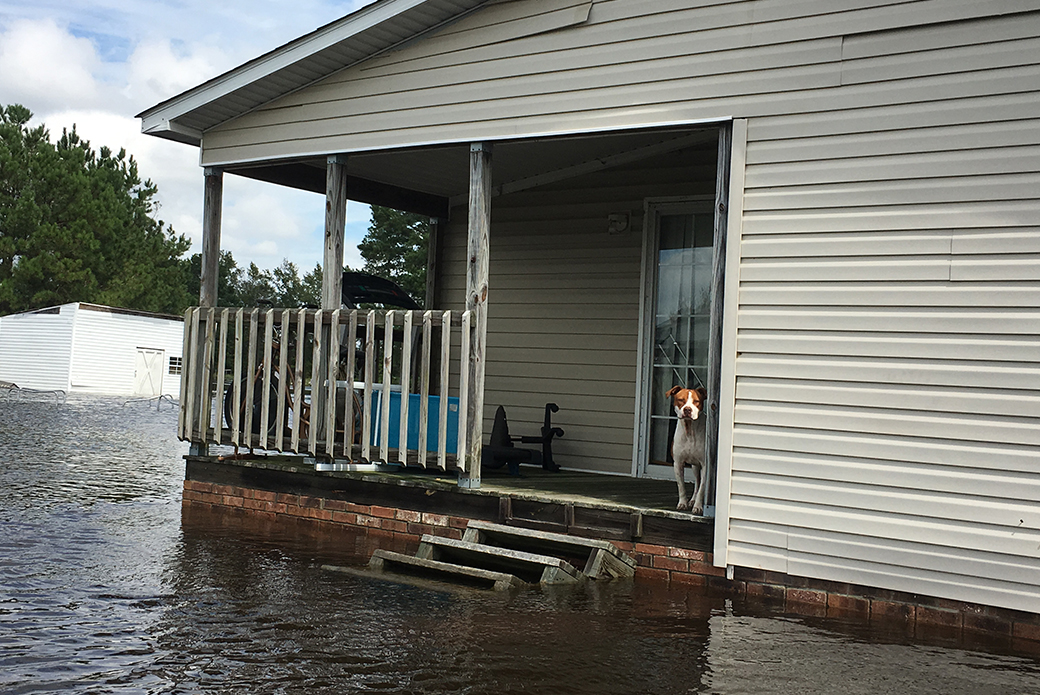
<point x="500" y="557"/>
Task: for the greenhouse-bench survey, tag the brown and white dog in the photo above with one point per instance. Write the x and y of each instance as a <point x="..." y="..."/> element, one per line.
<point x="688" y="444"/>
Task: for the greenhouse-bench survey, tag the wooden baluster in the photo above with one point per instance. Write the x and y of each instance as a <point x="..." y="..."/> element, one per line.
<point x="424" y="386"/>
<point x="297" y="406"/>
<point x="348" y="417"/>
<point x="316" y="390"/>
<point x="236" y="384"/>
<point x="370" y="358"/>
<point x="330" y="396"/>
<point x="406" y="376"/>
<point x="283" y="382"/>
<point x="442" y="426"/>
<point x="464" y="462"/>
<point x="265" y="401"/>
<point x="218" y="437"/>
<point x="384" y="399"/>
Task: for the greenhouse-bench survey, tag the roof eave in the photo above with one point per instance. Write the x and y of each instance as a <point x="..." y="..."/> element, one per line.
<point x="161" y="120"/>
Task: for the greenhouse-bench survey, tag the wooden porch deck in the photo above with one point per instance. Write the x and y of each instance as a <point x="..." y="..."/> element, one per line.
<point x="614" y="508"/>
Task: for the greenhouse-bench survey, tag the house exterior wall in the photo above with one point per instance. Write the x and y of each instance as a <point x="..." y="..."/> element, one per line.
<point x="36" y="349"/>
<point x="105" y="348"/>
<point x="886" y="411"/>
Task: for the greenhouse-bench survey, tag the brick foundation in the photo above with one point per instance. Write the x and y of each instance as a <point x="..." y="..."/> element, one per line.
<point x="917" y="615"/>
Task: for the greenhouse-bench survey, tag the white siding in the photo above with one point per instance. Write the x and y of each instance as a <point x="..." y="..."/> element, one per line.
<point x="106" y="345"/>
<point x="35" y="349"/>
<point x="85" y="349"/>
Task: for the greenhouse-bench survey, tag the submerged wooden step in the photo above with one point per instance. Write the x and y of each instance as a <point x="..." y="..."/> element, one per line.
<point x="529" y="567"/>
<point x="389" y="561"/>
<point x="600" y="559"/>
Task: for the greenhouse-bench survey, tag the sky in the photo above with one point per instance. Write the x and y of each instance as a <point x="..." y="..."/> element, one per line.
<point x="95" y="64"/>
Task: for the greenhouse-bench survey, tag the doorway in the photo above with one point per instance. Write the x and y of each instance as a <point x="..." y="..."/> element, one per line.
<point x="676" y="331"/>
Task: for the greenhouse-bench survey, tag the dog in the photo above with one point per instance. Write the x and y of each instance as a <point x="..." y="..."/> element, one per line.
<point x="688" y="444"/>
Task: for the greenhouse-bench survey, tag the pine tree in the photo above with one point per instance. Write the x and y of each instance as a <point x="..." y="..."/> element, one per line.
<point x="395" y="248"/>
<point x="79" y="225"/>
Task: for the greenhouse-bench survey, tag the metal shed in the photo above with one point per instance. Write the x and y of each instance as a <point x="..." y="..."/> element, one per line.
<point x="88" y="348"/>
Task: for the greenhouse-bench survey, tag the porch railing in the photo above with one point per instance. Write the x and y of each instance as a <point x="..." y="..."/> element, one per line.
<point x="359" y="386"/>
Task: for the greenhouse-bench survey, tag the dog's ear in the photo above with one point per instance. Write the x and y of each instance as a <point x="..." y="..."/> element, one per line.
<point x="672" y="391"/>
<point x="703" y="393"/>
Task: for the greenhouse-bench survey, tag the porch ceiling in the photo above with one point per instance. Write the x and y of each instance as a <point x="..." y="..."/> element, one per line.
<point x="432" y="179"/>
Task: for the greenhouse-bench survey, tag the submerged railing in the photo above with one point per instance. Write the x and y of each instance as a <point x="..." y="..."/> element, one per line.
<point x="375" y="386"/>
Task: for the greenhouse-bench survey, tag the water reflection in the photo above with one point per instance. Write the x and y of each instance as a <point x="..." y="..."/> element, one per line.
<point x="108" y="585"/>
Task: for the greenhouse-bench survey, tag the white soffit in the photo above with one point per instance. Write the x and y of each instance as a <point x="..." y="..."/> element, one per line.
<point x="356" y="37"/>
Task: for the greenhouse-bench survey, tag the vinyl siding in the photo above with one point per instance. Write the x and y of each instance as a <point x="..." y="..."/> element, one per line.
<point x="563" y="321"/>
<point x="887" y="413"/>
<point x="105" y="348"/>
<point x="35" y="349"/>
<point x="886" y="382"/>
<point x="521" y="68"/>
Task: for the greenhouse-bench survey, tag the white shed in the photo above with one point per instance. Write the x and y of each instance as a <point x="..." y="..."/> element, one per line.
<point x="87" y="348"/>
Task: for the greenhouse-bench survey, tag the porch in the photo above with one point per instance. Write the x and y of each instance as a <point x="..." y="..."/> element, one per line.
<point x="615" y="508"/>
<point x="584" y="226"/>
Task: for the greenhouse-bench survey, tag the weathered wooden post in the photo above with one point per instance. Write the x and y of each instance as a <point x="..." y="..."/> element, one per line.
<point x="212" y="204"/>
<point x="476" y="301"/>
<point x="213" y="200"/>
<point x="331" y="294"/>
<point x="718" y="285"/>
<point x="335" y="224"/>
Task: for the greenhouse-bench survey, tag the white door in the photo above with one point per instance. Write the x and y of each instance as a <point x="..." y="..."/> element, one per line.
<point x="148" y="372"/>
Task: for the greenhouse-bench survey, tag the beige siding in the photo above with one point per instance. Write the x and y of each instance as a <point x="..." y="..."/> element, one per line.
<point x="563" y="321"/>
<point x="521" y="68"/>
<point x="887" y="414"/>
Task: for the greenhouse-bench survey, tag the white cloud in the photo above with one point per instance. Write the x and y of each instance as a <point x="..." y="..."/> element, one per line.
<point x="155" y="71"/>
<point x="44" y="66"/>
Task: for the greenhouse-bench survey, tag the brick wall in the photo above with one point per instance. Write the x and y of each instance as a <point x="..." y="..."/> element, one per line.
<point x="918" y="616"/>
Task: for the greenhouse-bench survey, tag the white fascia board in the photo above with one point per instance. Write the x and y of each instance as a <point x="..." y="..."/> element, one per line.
<point x="160" y="118"/>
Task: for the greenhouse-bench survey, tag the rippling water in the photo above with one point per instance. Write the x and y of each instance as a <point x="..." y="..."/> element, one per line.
<point x="106" y="587"/>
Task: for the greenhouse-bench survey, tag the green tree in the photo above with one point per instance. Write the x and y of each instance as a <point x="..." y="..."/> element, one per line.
<point x="257" y="286"/>
<point x="79" y="225"/>
<point x="312" y="282"/>
<point x="229" y="280"/>
<point x="395" y="248"/>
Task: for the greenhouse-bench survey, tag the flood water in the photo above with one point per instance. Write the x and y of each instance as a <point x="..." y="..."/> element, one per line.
<point x="106" y="587"/>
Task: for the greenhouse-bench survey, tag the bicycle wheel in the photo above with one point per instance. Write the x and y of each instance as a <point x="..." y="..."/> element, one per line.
<point x="258" y="387"/>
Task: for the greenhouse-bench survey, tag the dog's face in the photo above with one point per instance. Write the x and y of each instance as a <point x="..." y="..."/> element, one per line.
<point x="688" y="403"/>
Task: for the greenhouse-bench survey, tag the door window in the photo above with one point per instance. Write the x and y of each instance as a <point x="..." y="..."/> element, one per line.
<point x="681" y="319"/>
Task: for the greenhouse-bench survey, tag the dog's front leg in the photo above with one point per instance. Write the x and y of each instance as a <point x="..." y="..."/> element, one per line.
<point x="681" y="482"/>
<point x="697" y="506"/>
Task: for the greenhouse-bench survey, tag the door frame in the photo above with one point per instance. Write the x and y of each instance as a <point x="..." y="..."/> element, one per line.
<point x="728" y="209"/>
<point x="653" y="209"/>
